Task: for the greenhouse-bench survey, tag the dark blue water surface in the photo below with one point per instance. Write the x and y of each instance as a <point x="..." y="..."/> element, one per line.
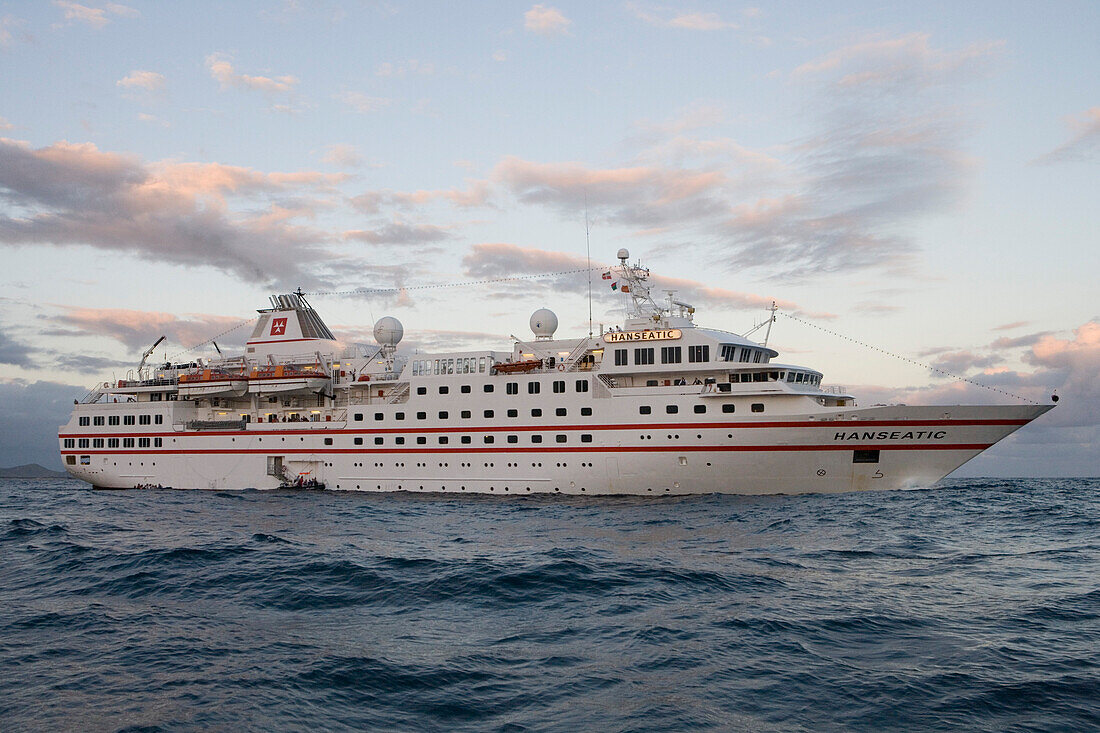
<point x="975" y="606"/>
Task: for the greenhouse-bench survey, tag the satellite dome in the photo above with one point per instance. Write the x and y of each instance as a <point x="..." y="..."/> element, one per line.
<point x="544" y="323"/>
<point x="624" y="254"/>
<point x="388" y="331"/>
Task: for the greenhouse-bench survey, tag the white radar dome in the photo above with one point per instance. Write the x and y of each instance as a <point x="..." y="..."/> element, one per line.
<point x="624" y="254"/>
<point x="544" y="323"/>
<point x="388" y="331"/>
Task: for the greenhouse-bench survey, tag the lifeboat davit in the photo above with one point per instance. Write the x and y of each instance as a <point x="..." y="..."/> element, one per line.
<point x="284" y="379"/>
<point x="212" y="383"/>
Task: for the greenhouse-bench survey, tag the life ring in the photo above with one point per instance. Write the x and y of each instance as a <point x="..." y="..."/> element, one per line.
<point x="561" y="367"/>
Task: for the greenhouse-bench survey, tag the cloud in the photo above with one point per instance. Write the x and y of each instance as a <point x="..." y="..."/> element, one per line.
<point x="693" y="21"/>
<point x="96" y="17"/>
<point x="1010" y="326"/>
<point x="343" y="155"/>
<point x="412" y="67"/>
<point x="500" y="55"/>
<point x="88" y="364"/>
<point x="138" y="329"/>
<point x="500" y="260"/>
<point x="221" y="69"/>
<point x="1084" y="145"/>
<point x="546" y="21"/>
<point x="168" y="211"/>
<point x="398" y="232"/>
<point x="475" y="194"/>
<point x="32" y="411"/>
<point x="150" y="81"/>
<point x="5" y="125"/>
<point x="153" y="119"/>
<point x="8" y="31"/>
<point x="14" y="352"/>
<point x="907" y="62"/>
<point x="361" y="103"/>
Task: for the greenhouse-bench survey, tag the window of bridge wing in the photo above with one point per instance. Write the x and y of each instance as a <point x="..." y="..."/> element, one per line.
<point x="620" y="357"/>
<point x="643" y="356"/>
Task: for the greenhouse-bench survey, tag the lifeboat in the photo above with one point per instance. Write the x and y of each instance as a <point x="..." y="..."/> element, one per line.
<point x="517" y="367"/>
<point x="285" y="379"/>
<point x="212" y="383"/>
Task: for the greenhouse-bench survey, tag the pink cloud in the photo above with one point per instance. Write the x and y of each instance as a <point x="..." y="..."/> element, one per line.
<point x="96" y="17"/>
<point x="150" y="81"/>
<point x="546" y="21"/>
<point x="221" y="68"/>
<point x="138" y="329"/>
<point x="1083" y="145"/>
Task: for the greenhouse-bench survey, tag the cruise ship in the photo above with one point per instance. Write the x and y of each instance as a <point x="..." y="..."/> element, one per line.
<point x="656" y="406"/>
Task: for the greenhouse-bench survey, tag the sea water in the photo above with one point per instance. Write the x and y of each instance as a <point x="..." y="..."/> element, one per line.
<point x="974" y="606"/>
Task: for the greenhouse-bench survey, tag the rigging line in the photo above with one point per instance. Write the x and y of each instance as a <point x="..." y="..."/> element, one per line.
<point x="212" y="338"/>
<point x="588" y="254"/>
<point x="905" y="358"/>
<point x="459" y="284"/>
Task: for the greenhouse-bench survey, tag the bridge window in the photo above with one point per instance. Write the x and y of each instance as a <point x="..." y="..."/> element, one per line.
<point x="699" y="353"/>
<point x="643" y="356"/>
<point x="670" y="354"/>
<point x="620" y="357"/>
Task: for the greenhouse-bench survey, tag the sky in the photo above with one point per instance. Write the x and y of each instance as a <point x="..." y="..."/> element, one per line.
<point x="919" y="177"/>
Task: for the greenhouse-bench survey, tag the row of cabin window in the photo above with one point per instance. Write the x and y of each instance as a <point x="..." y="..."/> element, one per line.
<point x="98" y="420"/>
<point x="463" y="365"/>
<point x="699" y="409"/>
<point x="669" y="355"/>
<point x="467" y="414"/>
<point x="512" y="387"/>
<point x="113" y="442"/>
<point x="466" y="439"/>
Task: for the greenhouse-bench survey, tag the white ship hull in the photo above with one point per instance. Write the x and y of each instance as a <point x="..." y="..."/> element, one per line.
<point x="788" y="454"/>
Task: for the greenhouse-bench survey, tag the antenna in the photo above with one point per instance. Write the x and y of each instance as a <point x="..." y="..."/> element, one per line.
<point x="588" y="252"/>
<point x="771" y="320"/>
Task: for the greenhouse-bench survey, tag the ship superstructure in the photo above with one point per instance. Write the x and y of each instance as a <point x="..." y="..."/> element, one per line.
<point x="657" y="405"/>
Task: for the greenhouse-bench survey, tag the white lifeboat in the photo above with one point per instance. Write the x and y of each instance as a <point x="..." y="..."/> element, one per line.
<point x="285" y="378"/>
<point x="212" y="383"/>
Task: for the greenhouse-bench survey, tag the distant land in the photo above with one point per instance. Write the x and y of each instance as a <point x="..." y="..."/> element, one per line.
<point x="30" y="470"/>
